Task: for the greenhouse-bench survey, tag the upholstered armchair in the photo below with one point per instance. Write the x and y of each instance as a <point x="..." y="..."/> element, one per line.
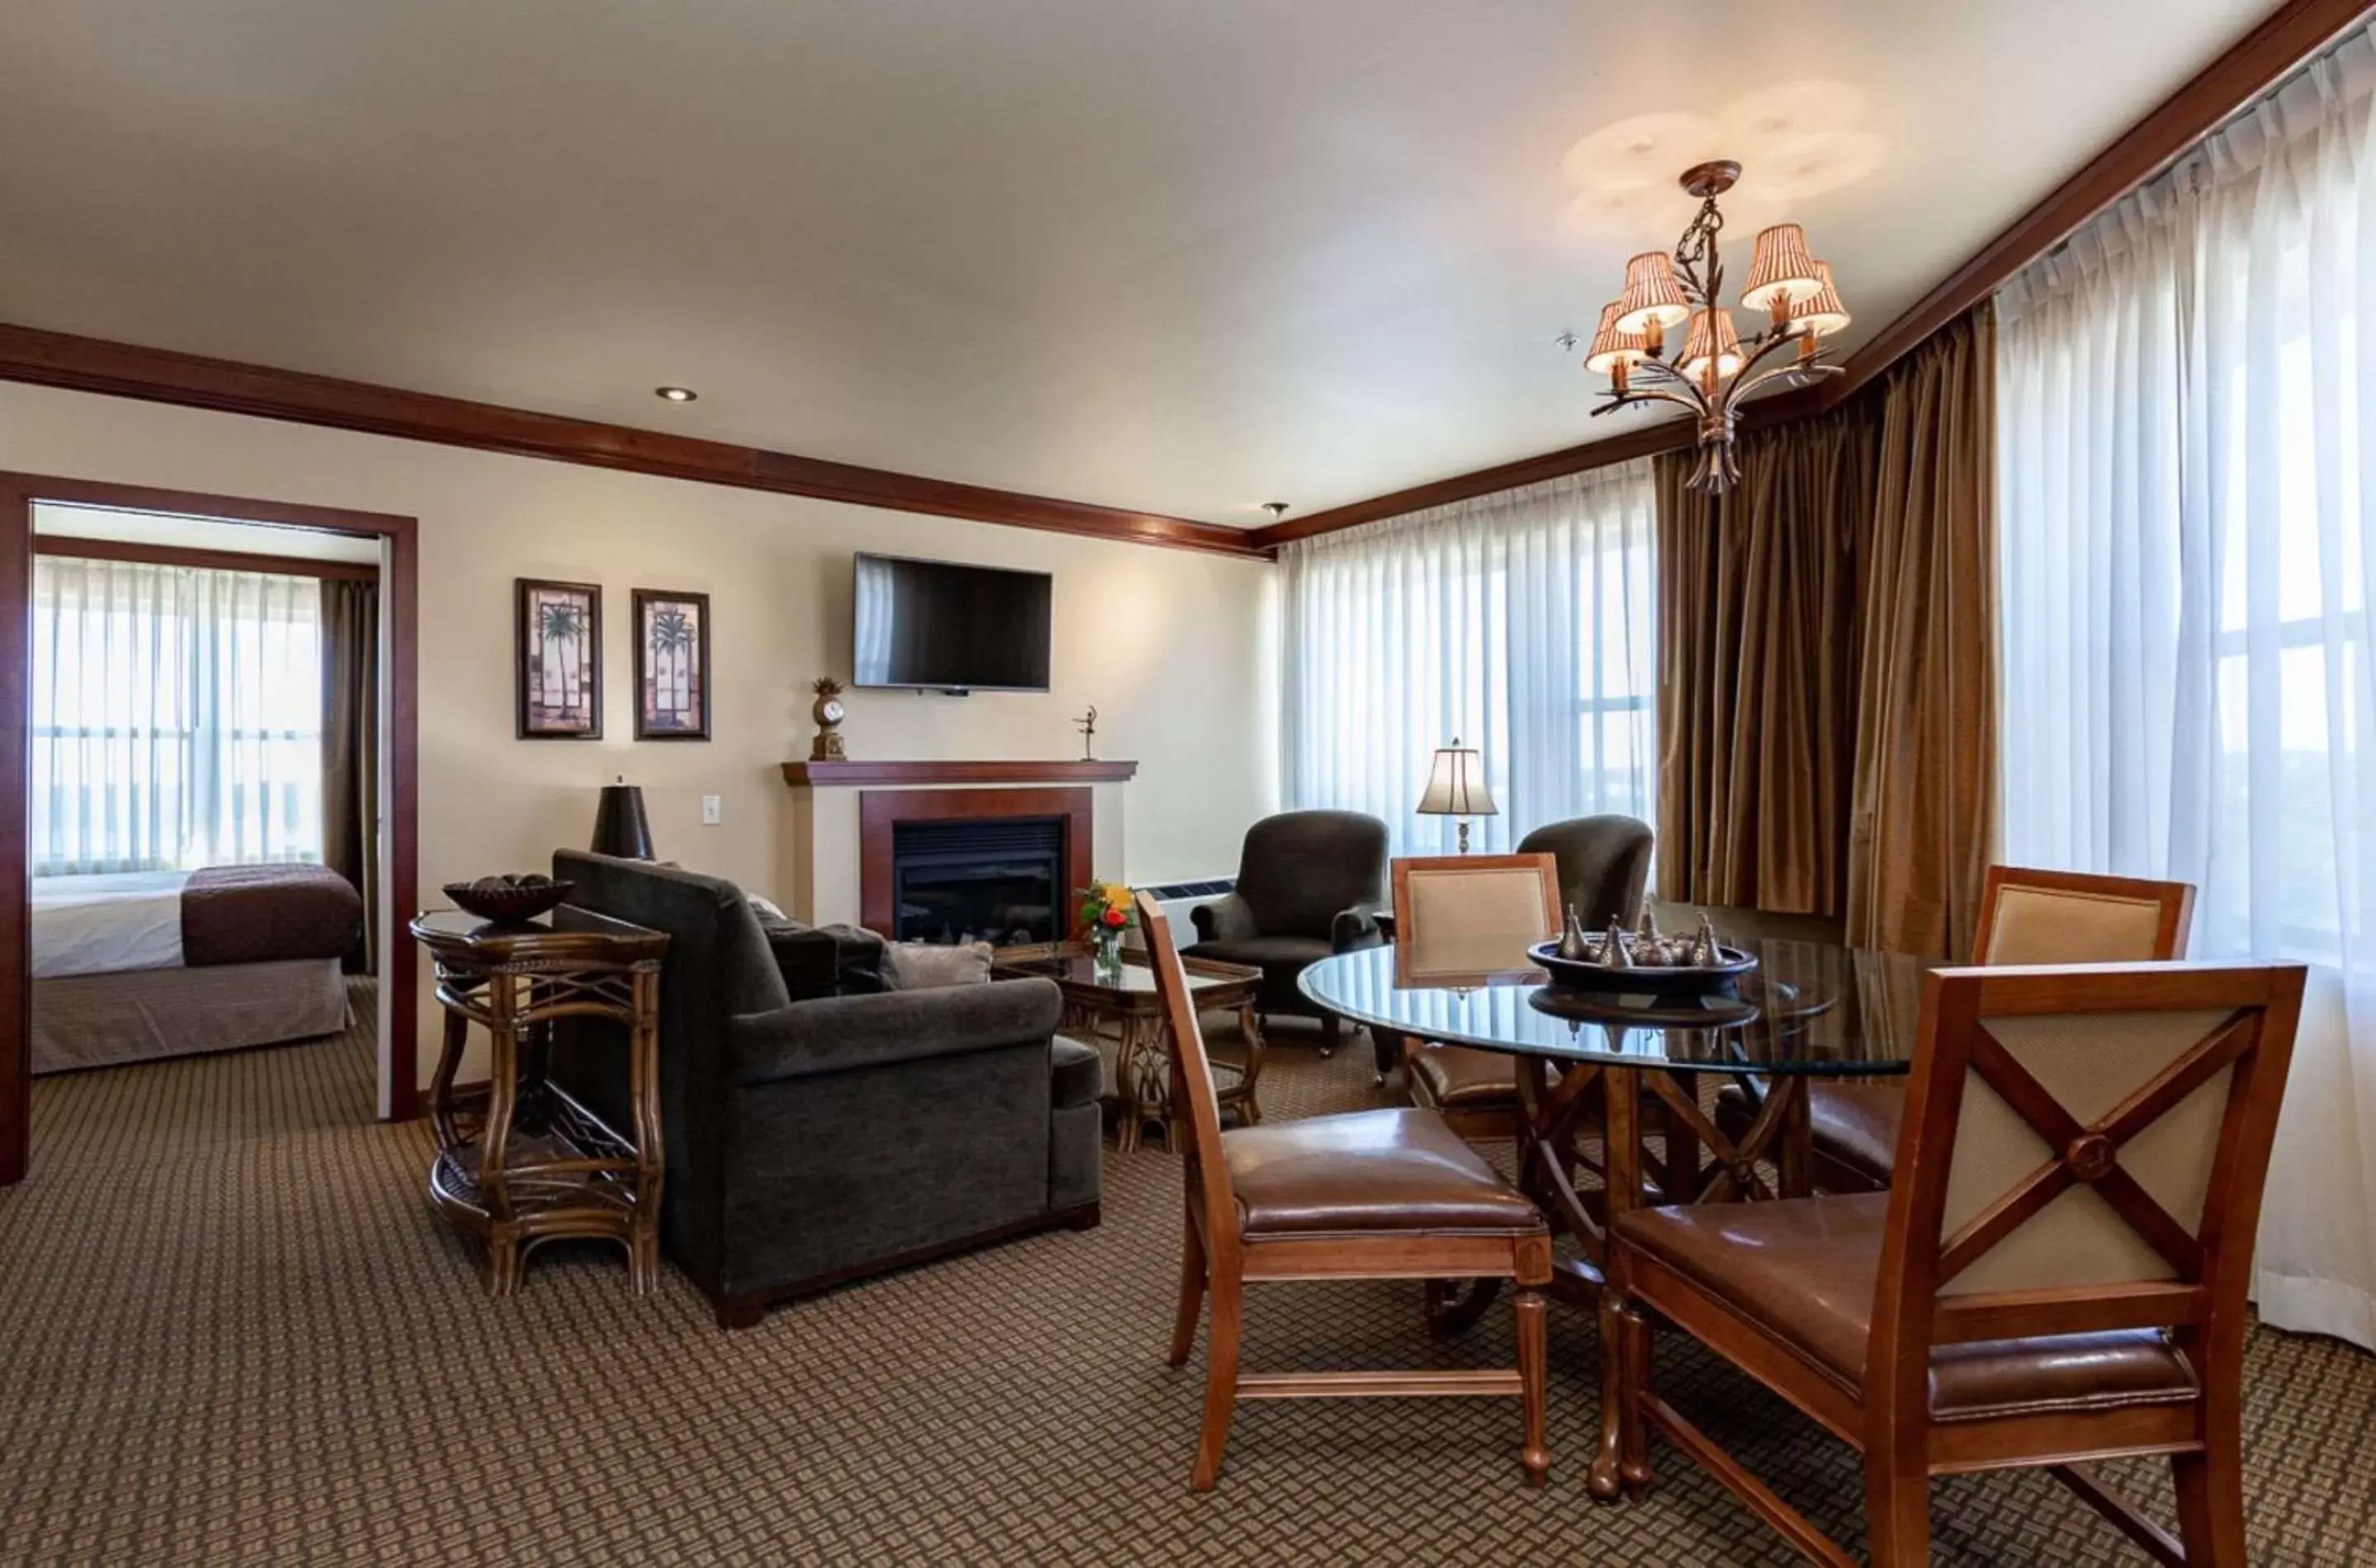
<point x="1604" y="864"/>
<point x="1309" y="884"/>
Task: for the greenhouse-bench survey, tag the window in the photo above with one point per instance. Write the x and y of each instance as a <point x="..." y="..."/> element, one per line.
<point x="1519" y="623"/>
<point x="176" y="715"/>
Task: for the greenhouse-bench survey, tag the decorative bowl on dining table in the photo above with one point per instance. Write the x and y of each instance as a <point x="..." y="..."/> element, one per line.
<point x="1644" y="963"/>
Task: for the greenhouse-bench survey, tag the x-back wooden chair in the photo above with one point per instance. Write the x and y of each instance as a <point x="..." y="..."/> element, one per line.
<point x="2058" y="1275"/>
<point x="2028" y="915"/>
<point x="1373" y="1195"/>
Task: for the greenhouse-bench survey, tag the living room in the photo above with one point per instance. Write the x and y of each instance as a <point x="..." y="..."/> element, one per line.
<point x="1265" y="349"/>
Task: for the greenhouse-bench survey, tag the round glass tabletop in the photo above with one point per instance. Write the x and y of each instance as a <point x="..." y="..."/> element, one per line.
<point x="1811" y="1008"/>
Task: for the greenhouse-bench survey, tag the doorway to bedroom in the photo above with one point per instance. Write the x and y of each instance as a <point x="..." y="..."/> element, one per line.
<point x="213" y="792"/>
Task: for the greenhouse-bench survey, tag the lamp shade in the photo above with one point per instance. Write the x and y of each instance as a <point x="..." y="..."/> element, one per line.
<point x="1652" y="295"/>
<point x="620" y="827"/>
<point x="1780" y="268"/>
<point x="1611" y="348"/>
<point x="1455" y="785"/>
<point x="1712" y="334"/>
<point x="1820" y="313"/>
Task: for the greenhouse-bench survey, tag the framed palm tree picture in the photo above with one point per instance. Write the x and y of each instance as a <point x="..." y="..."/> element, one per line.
<point x="557" y="660"/>
<point x="672" y="665"/>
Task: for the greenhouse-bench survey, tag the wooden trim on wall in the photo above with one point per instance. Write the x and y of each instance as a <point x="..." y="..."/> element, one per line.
<point x="880" y="810"/>
<point x="1647" y="441"/>
<point x="2263" y="57"/>
<point x="205" y="560"/>
<point x="400" y="592"/>
<point x="162" y="375"/>
<point x="806" y="774"/>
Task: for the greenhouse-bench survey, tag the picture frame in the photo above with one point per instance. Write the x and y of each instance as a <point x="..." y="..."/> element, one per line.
<point x="672" y="673"/>
<point x="557" y="659"/>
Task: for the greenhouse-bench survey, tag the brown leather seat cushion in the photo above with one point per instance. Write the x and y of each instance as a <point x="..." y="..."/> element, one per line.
<point x="1851" y="1123"/>
<point x="1804" y="1272"/>
<point x="1368" y="1171"/>
<point x="1460" y="1077"/>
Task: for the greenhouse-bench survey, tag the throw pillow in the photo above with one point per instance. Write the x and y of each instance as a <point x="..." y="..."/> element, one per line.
<point x="925" y="966"/>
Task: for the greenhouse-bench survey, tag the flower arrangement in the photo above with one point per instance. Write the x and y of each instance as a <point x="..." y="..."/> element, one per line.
<point x="1106" y="913"/>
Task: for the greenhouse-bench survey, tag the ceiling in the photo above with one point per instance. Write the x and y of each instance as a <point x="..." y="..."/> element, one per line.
<point x="1176" y="258"/>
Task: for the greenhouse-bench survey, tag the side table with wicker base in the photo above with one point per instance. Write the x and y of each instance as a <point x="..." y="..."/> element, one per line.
<point x="1118" y="1006"/>
<point x="532" y="1163"/>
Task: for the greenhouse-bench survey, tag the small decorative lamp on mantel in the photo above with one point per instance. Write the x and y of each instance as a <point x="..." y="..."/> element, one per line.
<point x="620" y="827"/>
<point x="1455" y="787"/>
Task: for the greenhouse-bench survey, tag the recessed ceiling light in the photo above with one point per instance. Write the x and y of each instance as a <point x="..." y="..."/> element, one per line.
<point x="675" y="393"/>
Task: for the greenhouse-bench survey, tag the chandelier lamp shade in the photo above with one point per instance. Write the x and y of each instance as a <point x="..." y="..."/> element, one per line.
<point x="1789" y="292"/>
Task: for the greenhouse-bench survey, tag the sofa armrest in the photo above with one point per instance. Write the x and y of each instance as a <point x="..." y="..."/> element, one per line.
<point x="839" y="1034"/>
<point x="1225" y="918"/>
<point x="1355" y="929"/>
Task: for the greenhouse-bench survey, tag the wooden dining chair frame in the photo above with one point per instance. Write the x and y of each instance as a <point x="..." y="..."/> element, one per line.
<point x="2203" y="1306"/>
<point x="2176" y="900"/>
<point x="2176" y="914"/>
<point x="1469" y="1123"/>
<point x="1218" y="1263"/>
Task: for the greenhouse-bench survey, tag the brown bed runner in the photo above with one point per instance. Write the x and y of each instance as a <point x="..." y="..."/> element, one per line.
<point x="258" y="914"/>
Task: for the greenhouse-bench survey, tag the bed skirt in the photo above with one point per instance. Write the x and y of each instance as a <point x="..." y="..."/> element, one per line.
<point x="140" y="1015"/>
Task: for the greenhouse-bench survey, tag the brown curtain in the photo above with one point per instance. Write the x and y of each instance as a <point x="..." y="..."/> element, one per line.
<point x="351" y="742"/>
<point x="1755" y="686"/>
<point x="1926" y="767"/>
<point x="1828" y="668"/>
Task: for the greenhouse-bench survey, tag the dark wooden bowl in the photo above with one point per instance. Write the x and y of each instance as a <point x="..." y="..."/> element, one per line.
<point x="1569" y="974"/>
<point x="509" y="903"/>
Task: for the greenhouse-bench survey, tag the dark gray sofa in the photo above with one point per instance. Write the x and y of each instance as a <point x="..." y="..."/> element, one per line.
<point x="817" y="1141"/>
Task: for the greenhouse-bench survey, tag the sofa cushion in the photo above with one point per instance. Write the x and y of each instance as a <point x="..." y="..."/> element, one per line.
<point x="824" y="960"/>
<point x="926" y="965"/>
<point x="1079" y="1073"/>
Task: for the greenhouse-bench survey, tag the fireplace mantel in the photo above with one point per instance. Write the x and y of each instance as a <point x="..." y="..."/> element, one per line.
<point x="834" y="846"/>
<point x="811" y="775"/>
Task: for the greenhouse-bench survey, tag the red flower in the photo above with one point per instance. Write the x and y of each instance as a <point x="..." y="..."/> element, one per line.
<point x="1116" y="918"/>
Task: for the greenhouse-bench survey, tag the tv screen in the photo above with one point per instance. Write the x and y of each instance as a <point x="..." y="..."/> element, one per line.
<point x="940" y="625"/>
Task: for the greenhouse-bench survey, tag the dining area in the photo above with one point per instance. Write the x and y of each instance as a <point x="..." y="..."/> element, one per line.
<point x="1962" y="1216"/>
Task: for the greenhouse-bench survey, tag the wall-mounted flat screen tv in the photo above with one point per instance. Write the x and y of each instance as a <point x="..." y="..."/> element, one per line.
<point x="945" y="627"/>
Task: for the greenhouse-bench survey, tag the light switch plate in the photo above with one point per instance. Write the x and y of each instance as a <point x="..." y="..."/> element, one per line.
<point x="710" y="814"/>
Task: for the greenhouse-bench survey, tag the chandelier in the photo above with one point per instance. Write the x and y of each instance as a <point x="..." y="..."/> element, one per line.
<point x="1716" y="367"/>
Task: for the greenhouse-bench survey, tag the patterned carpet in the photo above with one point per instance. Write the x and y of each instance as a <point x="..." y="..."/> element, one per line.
<point x="230" y="1332"/>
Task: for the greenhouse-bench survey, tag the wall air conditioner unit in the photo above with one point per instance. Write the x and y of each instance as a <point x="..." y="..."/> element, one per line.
<point x="1177" y="898"/>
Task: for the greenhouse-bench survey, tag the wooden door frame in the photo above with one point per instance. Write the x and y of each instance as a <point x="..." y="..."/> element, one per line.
<point x="19" y="492"/>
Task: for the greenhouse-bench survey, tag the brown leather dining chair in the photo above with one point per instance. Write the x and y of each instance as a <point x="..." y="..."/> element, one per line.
<point x="1455" y="913"/>
<point x="1368" y="1194"/>
<point x="2027" y="917"/>
<point x="2057" y="1275"/>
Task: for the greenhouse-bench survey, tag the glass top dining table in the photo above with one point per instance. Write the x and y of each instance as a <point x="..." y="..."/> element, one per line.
<point x="1810" y="1009"/>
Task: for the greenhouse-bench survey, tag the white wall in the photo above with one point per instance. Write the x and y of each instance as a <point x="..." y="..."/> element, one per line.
<point x="1175" y="649"/>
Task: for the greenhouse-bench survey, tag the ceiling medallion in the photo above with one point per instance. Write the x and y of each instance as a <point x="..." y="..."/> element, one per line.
<point x="1715" y="368"/>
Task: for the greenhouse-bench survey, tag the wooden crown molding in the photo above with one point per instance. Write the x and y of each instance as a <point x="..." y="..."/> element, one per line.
<point x="164" y="375"/>
<point x="2289" y="35"/>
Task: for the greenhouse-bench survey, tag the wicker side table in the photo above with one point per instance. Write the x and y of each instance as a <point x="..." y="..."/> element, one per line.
<point x="534" y="1163"/>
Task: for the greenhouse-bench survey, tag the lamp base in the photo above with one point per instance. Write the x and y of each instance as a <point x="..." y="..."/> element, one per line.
<point x="1462" y="829"/>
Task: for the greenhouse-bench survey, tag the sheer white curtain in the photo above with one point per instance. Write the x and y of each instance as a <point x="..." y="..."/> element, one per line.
<point x="2187" y="419"/>
<point x="177" y="717"/>
<point x="1519" y="622"/>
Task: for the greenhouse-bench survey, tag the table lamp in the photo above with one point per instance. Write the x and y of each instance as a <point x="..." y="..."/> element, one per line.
<point x="620" y="827"/>
<point x="1455" y="787"/>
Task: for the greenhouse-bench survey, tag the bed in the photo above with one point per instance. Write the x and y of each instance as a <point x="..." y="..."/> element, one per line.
<point x="136" y="966"/>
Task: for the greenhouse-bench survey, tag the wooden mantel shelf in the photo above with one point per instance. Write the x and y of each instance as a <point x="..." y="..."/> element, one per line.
<point x="803" y="775"/>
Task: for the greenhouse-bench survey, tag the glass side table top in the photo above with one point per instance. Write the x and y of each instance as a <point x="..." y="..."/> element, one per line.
<point x="1811" y="1008"/>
